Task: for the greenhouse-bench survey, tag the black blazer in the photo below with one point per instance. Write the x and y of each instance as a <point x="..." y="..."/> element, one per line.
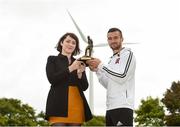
<point x="60" y="78"/>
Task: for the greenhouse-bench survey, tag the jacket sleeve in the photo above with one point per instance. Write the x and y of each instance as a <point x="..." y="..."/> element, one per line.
<point x="103" y="79"/>
<point x="54" y="76"/>
<point x="83" y="82"/>
<point x="120" y="72"/>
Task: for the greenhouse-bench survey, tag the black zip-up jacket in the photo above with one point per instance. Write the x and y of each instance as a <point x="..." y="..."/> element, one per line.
<point x="60" y="78"/>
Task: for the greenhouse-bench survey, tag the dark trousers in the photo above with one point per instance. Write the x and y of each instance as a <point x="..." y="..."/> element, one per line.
<point x="119" y="117"/>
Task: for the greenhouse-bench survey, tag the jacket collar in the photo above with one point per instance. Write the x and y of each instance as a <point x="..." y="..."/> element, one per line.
<point x="63" y="56"/>
<point x="118" y="53"/>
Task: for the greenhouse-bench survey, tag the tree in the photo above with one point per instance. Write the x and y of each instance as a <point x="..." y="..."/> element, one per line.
<point x="172" y="102"/>
<point x="150" y="113"/>
<point x="14" y="113"/>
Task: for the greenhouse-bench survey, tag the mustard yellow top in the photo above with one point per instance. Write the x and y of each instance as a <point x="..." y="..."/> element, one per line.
<point x="75" y="108"/>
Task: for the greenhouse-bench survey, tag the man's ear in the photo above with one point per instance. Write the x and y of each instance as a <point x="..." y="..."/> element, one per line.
<point x="122" y="39"/>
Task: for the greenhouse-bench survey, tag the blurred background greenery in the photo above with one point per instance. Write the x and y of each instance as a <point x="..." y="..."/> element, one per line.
<point x="151" y="112"/>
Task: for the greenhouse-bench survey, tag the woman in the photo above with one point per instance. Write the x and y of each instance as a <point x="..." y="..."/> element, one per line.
<point x="66" y="102"/>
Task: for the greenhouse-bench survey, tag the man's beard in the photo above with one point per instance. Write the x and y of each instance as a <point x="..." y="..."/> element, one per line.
<point x="115" y="46"/>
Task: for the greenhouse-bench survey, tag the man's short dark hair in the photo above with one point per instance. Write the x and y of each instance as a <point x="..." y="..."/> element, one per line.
<point x="115" y="29"/>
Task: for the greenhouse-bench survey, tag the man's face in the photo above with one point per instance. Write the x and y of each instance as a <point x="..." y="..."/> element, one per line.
<point x="114" y="40"/>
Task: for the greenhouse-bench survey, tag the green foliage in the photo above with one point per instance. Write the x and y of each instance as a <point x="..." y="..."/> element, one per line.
<point x="150" y="113"/>
<point x="172" y="102"/>
<point x="173" y="119"/>
<point x="96" y="121"/>
<point x="14" y="113"/>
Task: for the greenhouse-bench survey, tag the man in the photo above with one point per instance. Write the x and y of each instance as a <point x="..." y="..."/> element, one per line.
<point x="118" y="77"/>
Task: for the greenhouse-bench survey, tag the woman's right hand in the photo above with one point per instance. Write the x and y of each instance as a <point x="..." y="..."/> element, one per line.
<point x="75" y="65"/>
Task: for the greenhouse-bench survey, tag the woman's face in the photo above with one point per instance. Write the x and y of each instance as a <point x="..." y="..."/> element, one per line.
<point x="68" y="45"/>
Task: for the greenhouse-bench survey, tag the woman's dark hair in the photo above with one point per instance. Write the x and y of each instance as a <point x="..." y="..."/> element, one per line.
<point x="115" y="29"/>
<point x="72" y="35"/>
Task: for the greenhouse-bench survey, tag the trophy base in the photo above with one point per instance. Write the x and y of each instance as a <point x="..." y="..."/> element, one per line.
<point x="85" y="58"/>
